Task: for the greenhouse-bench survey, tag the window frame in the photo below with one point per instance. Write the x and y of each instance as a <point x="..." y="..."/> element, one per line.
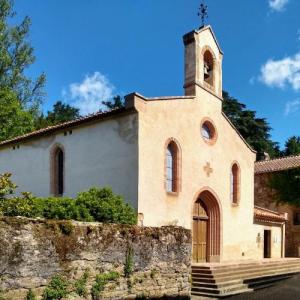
<point x="57" y="172"/>
<point x="176" y="167"/>
<point x="209" y="123"/>
<point x="235" y="184"/>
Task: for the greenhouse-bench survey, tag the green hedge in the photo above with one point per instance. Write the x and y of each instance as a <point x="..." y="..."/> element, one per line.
<point x="96" y="204"/>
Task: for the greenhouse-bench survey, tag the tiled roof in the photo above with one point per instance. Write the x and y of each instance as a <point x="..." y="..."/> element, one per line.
<point x="279" y="164"/>
<point x="74" y="123"/>
<point x="263" y="214"/>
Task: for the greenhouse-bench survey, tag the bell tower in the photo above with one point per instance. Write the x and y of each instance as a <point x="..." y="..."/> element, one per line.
<point x="203" y="62"/>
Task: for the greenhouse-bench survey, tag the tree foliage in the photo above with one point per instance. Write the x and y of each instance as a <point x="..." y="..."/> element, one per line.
<point x="16" y="55"/>
<point x="14" y="120"/>
<point x="292" y="146"/>
<point x="256" y="131"/>
<point x="116" y="102"/>
<point x="61" y="113"/>
<point x="287" y="183"/>
<point x="20" y="96"/>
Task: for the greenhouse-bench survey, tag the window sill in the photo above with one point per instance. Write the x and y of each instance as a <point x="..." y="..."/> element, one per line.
<point x="235" y="204"/>
<point x="173" y="194"/>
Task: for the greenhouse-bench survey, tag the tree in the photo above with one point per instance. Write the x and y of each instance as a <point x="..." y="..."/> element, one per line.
<point x="116" y="102"/>
<point x="287" y="183"/>
<point x="16" y="55"/>
<point x="14" y="120"/>
<point x="20" y="96"/>
<point x="61" y="113"/>
<point x="256" y="131"/>
<point x="292" y="146"/>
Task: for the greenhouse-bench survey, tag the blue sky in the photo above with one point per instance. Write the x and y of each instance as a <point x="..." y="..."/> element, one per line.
<point x="101" y="48"/>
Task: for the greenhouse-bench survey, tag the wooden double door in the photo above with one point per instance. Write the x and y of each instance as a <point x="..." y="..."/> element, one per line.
<point x="200" y="232"/>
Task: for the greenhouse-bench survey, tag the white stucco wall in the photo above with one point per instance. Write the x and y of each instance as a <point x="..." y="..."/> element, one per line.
<point x="101" y="154"/>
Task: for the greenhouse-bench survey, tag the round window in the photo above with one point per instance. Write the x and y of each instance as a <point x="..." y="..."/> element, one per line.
<point x="208" y="132"/>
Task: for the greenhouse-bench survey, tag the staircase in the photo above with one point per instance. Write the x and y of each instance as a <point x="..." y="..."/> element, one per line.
<point x="225" y="279"/>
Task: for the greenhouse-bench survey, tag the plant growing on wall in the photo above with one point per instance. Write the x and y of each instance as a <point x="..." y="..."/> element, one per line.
<point x="101" y="281"/>
<point x="57" y="288"/>
<point x="80" y="284"/>
<point x="30" y="295"/>
<point x="128" y="266"/>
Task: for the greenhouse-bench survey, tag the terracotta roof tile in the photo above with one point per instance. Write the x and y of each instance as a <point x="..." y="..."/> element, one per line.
<point x="69" y="124"/>
<point x="279" y="164"/>
<point x="263" y="214"/>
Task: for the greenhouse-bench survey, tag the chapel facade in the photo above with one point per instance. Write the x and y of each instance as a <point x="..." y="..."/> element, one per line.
<point x="178" y="160"/>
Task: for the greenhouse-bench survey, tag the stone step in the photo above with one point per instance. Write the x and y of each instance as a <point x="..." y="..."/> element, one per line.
<point x="243" y="267"/>
<point x="244" y="274"/>
<point x="246" y="289"/>
<point x="244" y="264"/>
<point x="232" y="293"/>
<point x="221" y="271"/>
<point x="226" y="280"/>
<point x="225" y="290"/>
<point x="216" y="285"/>
<point x="250" y="282"/>
<point x="209" y="295"/>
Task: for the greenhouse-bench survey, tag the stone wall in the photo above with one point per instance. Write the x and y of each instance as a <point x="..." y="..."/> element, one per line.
<point x="265" y="197"/>
<point x="33" y="251"/>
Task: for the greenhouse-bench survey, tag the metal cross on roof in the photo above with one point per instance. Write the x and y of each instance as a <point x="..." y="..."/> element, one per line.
<point x="203" y="13"/>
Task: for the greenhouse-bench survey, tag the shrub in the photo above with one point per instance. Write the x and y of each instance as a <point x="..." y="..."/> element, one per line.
<point x="26" y="206"/>
<point x="96" y="204"/>
<point x="105" y="206"/>
<point x="57" y="288"/>
<point x="101" y="281"/>
<point x="7" y="187"/>
<point x="60" y="209"/>
<point x="30" y="295"/>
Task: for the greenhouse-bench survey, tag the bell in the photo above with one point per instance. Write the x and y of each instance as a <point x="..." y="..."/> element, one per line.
<point x="206" y="71"/>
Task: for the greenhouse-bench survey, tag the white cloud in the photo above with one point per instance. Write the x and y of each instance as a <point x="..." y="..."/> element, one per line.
<point x="279" y="73"/>
<point x="89" y="94"/>
<point x="278" y="5"/>
<point x="292" y="107"/>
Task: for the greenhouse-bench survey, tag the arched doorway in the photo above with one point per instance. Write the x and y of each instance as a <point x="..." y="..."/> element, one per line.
<point x="206" y="228"/>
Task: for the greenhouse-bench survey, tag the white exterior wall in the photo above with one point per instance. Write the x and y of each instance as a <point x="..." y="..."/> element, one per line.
<point x="100" y="154"/>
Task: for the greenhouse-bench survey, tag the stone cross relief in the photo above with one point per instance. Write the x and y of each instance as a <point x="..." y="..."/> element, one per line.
<point x="208" y="169"/>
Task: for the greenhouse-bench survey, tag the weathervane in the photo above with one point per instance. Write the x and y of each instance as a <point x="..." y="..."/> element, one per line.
<point x="203" y="13"/>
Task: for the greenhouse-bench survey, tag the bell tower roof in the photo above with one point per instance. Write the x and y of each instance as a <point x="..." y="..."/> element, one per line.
<point x="188" y="36"/>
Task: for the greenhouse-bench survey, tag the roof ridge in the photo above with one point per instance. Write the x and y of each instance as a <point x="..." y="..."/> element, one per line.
<point x="62" y="125"/>
<point x="277" y="159"/>
<point x="269" y="210"/>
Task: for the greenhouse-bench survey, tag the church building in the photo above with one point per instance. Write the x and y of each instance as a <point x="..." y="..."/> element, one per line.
<point x="178" y="160"/>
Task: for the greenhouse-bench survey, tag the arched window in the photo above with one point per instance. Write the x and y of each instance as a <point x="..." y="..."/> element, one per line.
<point x="172" y="166"/>
<point x="208" y="62"/>
<point x="57" y="167"/>
<point x="235" y="184"/>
